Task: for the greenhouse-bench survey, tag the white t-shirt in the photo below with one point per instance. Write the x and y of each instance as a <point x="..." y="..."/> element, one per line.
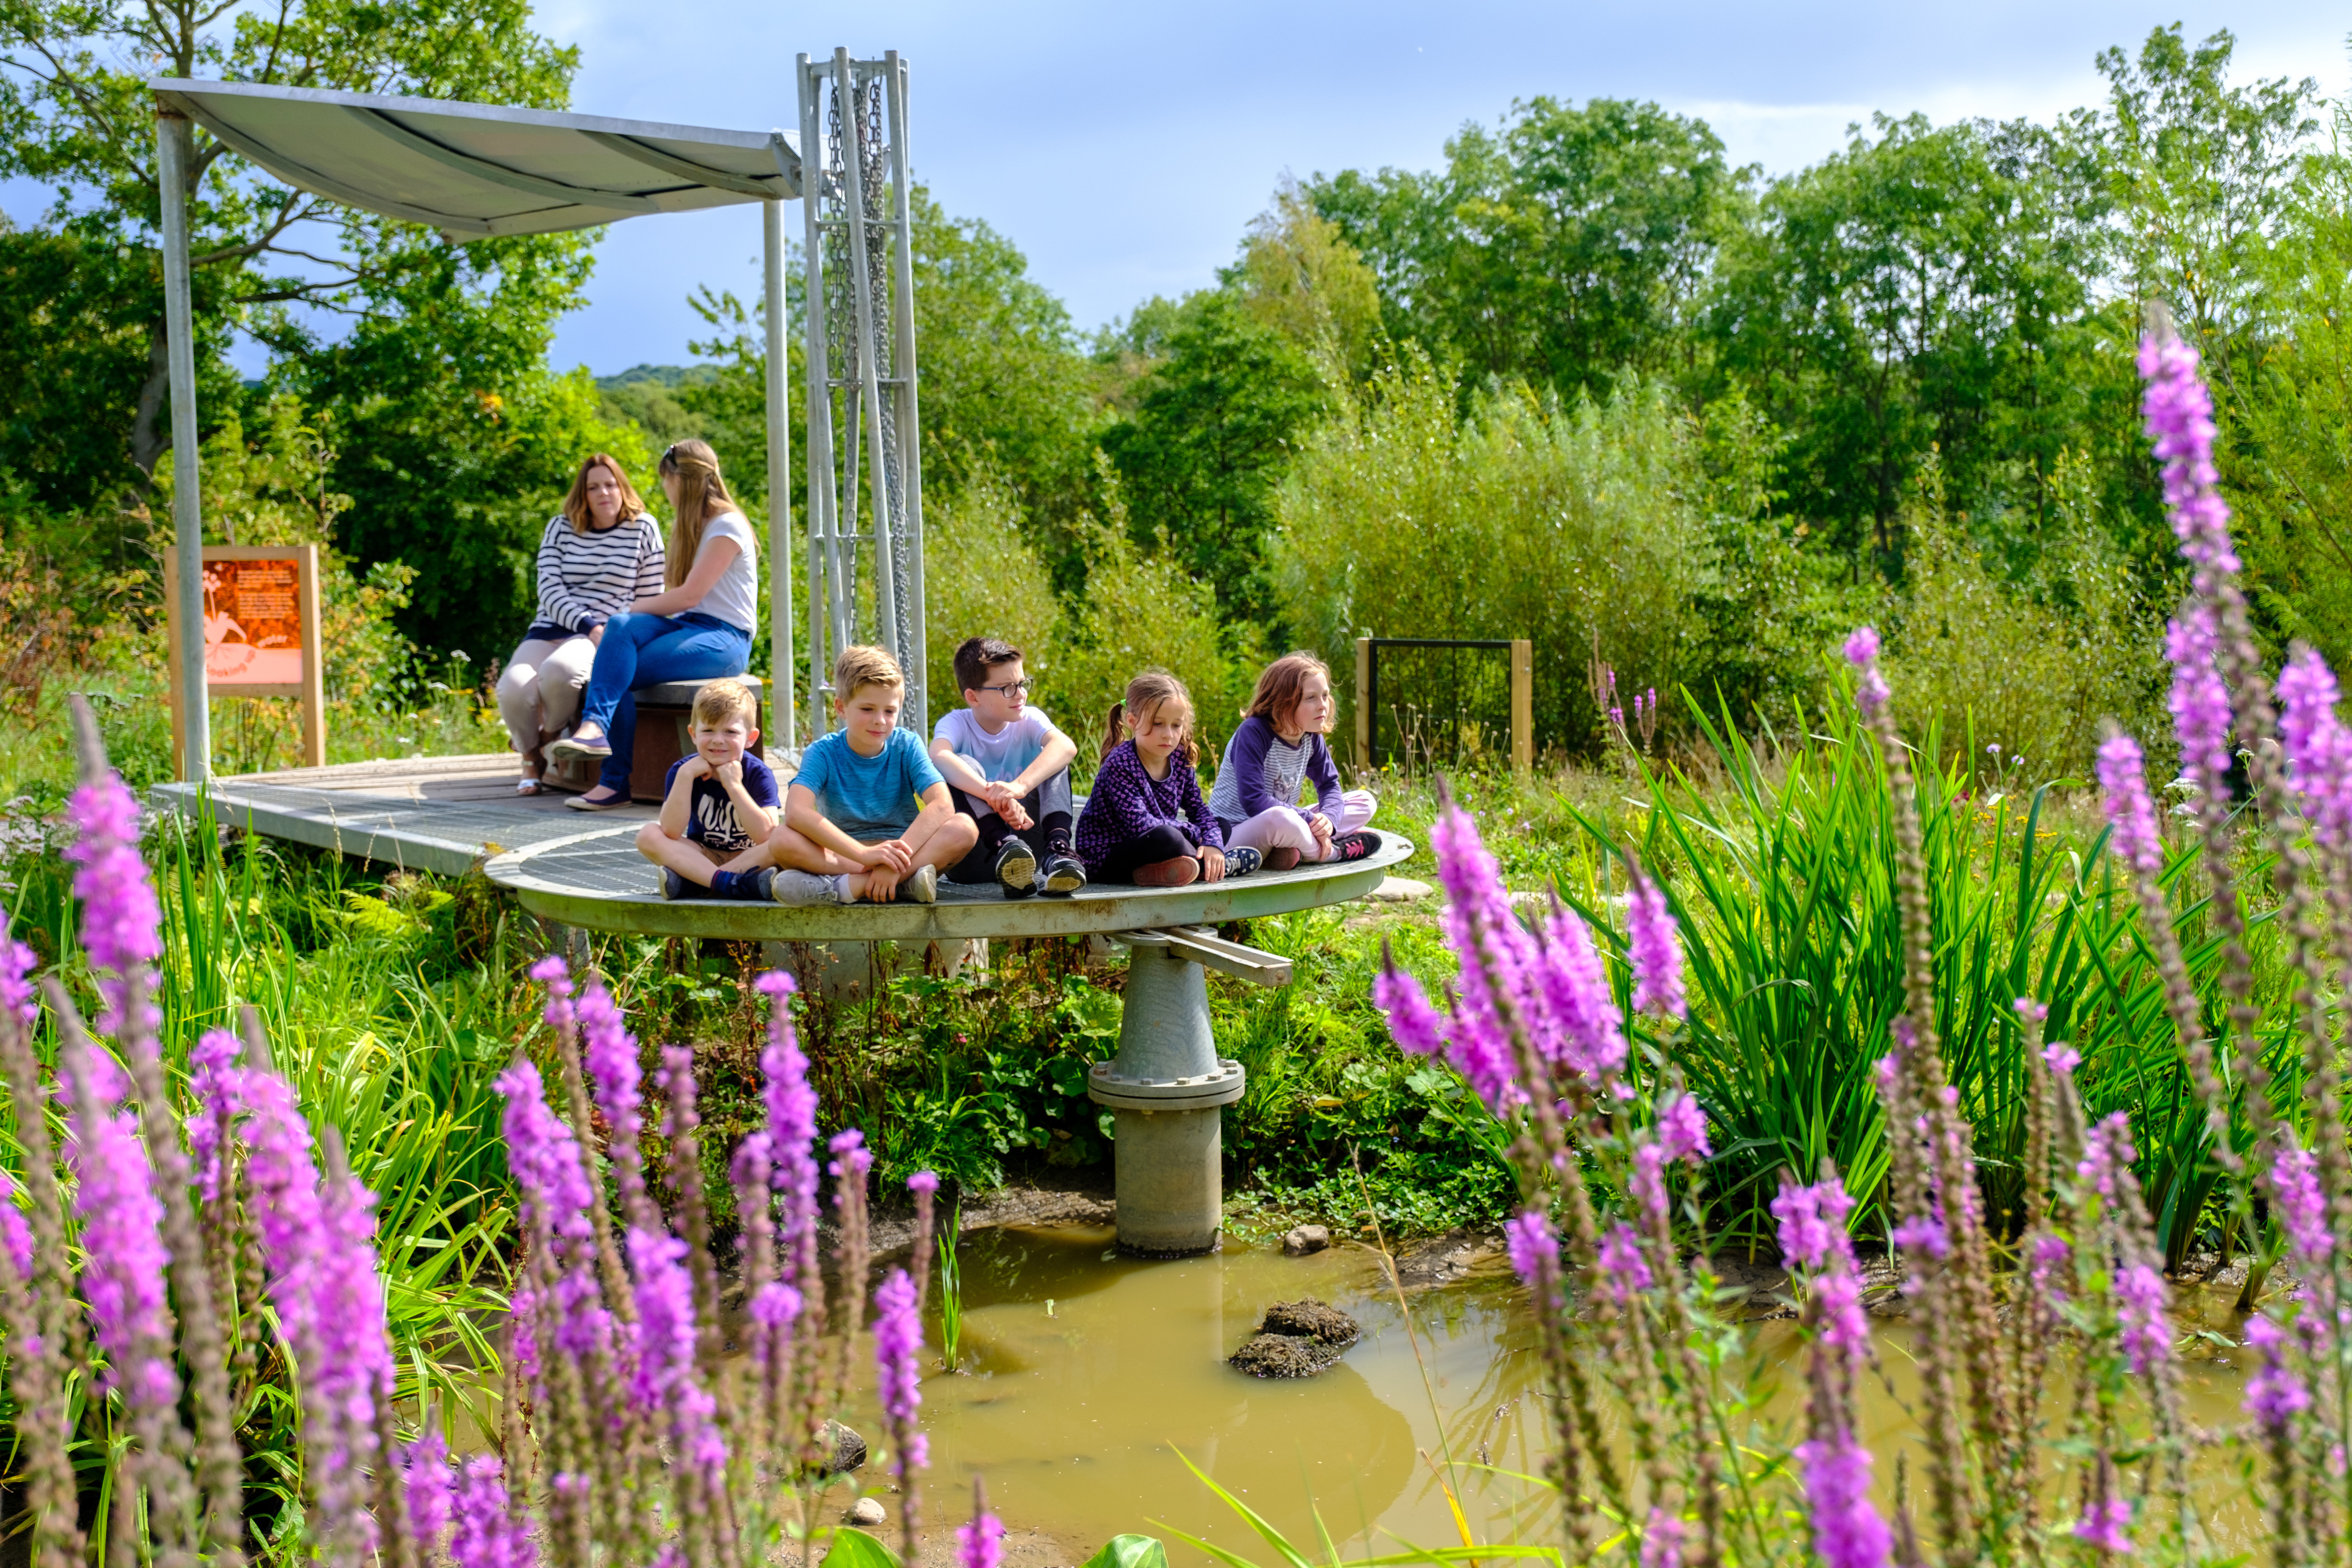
<point x="999" y="757"/>
<point x="735" y="598"/>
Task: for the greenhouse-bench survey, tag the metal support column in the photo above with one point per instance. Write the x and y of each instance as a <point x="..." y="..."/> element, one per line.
<point x="824" y="636"/>
<point x="911" y="452"/>
<point x="172" y="147"/>
<point x="781" y="714"/>
<point x="862" y="272"/>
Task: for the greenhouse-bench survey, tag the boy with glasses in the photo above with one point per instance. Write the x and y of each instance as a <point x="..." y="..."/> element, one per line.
<point x="1008" y="768"/>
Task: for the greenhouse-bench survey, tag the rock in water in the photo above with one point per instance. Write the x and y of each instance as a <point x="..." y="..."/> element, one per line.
<point x="1306" y="1238"/>
<point x="1296" y="1339"/>
<point x="868" y="1512"/>
<point x="845" y="1450"/>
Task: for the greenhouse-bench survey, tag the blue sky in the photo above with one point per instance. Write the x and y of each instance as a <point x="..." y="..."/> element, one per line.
<point x="1123" y="147"/>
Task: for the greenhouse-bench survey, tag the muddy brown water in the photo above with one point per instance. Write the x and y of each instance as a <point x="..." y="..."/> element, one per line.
<point x="1086" y="1375"/>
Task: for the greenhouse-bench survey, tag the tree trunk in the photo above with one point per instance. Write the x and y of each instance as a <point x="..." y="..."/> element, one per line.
<point x="150" y="425"/>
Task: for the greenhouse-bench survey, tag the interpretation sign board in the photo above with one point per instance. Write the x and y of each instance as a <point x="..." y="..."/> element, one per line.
<point x="261" y="632"/>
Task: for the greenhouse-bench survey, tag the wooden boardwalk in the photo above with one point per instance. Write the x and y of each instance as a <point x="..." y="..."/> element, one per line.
<point x="446" y="815"/>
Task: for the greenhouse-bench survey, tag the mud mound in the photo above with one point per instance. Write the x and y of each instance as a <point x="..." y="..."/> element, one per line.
<point x="1296" y="1339"/>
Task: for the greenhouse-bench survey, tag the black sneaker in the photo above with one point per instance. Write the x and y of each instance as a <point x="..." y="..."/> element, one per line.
<point x="1353" y="846"/>
<point x="1240" y="862"/>
<point x="674" y="887"/>
<point x="757" y="886"/>
<point x="1064" y="876"/>
<point x="1016" y="864"/>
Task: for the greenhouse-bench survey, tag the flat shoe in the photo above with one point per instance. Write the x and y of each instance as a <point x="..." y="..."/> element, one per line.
<point x="1177" y="873"/>
<point x="582" y="802"/>
<point x="572" y="746"/>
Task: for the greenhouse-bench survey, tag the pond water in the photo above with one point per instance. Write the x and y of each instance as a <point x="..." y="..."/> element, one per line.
<point x="1086" y="1374"/>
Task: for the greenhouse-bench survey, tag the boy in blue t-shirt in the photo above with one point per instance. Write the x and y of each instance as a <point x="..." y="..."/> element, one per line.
<point x="852" y="825"/>
<point x="718" y="806"/>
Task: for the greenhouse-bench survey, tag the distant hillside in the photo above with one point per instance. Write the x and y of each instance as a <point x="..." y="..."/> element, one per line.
<point x="665" y="375"/>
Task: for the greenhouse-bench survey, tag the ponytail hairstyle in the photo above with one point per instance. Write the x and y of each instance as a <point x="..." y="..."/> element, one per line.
<point x="1145" y="695"/>
<point x="702" y="495"/>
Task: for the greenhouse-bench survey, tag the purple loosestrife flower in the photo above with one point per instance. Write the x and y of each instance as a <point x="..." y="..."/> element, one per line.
<point x="1656" y="950"/>
<point x="2051" y="1257"/>
<point x="429" y="1493"/>
<point x="1682" y="1130"/>
<point x="2318" y="748"/>
<point x="2107" y="1155"/>
<point x="121" y="1221"/>
<point x="2179" y="414"/>
<point x="898" y="1380"/>
<point x="15" y="982"/>
<point x="1533" y="1246"/>
<point x="1498" y="956"/>
<point x="2122" y="783"/>
<point x="1870" y="693"/>
<point x="1621" y="1266"/>
<point x="1813" y="1224"/>
<point x="611" y="1057"/>
<point x="545" y="1159"/>
<point x="2274" y="1395"/>
<point x="1647" y="1184"/>
<point x="2200" y="702"/>
<point x="1412" y="1022"/>
<point x="1662" y="1541"/>
<point x="1924" y="1233"/>
<point x="2300" y="1204"/>
<point x="487" y="1534"/>
<point x="213" y="1081"/>
<point x="664" y="1381"/>
<point x="1573" y="1016"/>
<point x="121" y="924"/>
<point x="792" y="1133"/>
<point x="1847" y="1530"/>
<point x="2063" y="1057"/>
<point x="2106" y="1524"/>
<point x="2140" y="1320"/>
<point x="15" y="1235"/>
<point x="980" y="1544"/>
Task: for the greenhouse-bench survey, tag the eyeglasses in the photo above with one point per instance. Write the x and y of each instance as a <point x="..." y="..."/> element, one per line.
<point x="1010" y="688"/>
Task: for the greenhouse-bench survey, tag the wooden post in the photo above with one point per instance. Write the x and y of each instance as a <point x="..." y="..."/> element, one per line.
<point x="1523" y="704"/>
<point x="314" y="661"/>
<point x="1363" y="703"/>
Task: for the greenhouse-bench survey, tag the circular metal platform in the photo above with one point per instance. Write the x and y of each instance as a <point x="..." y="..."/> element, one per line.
<point x="598" y="880"/>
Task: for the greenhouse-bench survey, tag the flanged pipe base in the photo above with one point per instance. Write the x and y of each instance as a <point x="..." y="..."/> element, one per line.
<point x="1163" y="1091"/>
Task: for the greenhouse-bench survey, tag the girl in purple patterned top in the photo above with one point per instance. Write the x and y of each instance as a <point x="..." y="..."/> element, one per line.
<point x="1145" y="821"/>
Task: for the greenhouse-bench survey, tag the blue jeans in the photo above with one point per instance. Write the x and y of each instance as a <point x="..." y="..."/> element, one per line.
<point x="647" y="650"/>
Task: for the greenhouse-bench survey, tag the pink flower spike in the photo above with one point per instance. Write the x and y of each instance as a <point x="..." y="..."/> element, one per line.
<point x="2106" y="1526"/>
<point x="1862" y="648"/>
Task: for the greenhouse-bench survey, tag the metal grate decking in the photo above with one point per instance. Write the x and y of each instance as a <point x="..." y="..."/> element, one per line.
<point x="446" y="814"/>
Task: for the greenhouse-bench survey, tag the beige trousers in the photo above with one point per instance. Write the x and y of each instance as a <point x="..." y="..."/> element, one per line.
<point x="539" y="690"/>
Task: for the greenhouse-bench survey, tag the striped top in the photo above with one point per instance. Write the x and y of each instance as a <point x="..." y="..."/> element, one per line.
<point x="587" y="577"/>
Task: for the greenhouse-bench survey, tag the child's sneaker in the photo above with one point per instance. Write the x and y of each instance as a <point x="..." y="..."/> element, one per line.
<point x="674" y="887"/>
<point x="1016" y="866"/>
<point x="1240" y="862"/>
<point x="755" y="886"/>
<point x="1064" y="876"/>
<point x="923" y="887"/>
<point x="796" y="888"/>
<point x="1354" y="846"/>
<point x="1176" y="873"/>
<point x="1281" y="860"/>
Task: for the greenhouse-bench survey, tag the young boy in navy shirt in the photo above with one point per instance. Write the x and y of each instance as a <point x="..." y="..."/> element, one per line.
<point x="868" y="816"/>
<point x="718" y="806"/>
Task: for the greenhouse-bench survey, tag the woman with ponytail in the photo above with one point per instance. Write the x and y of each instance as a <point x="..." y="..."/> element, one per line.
<point x="698" y="628"/>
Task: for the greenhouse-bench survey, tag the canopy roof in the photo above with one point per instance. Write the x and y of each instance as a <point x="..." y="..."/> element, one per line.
<point x="475" y="169"/>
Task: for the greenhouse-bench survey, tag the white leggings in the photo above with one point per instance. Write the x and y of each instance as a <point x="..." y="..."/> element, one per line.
<point x="1284" y="827"/>
<point x="539" y="690"/>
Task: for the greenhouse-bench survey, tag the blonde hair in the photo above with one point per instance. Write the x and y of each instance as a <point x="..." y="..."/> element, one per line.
<point x="575" y="499"/>
<point x="1145" y="695"/>
<point x="865" y="665"/>
<point x="701" y="496"/>
<point x="724" y="699"/>
<point x="1280" y="685"/>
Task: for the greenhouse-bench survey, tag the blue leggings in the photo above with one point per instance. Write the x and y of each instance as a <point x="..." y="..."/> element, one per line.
<point x="647" y="650"/>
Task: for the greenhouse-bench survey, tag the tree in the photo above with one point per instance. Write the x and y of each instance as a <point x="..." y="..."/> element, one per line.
<point x="1207" y="444"/>
<point x="1562" y="247"/>
<point x="1300" y="277"/>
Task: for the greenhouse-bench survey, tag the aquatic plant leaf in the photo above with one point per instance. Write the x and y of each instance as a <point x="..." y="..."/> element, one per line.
<point x="855" y="1548"/>
<point x="1131" y="1551"/>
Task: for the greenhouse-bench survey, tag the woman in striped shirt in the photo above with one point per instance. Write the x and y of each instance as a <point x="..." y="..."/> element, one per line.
<point x="602" y="554"/>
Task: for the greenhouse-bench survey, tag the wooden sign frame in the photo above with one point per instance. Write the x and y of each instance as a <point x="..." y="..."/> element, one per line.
<point x="311" y="689"/>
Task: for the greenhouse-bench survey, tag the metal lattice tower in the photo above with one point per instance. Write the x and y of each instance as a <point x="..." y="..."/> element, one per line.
<point x="865" y="464"/>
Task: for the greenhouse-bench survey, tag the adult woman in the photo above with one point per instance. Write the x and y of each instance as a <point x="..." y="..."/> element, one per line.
<point x="696" y="628"/>
<point x="599" y="554"/>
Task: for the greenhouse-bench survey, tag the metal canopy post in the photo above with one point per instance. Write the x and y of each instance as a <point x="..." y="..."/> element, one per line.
<point x="172" y="149"/>
<point x="861" y="370"/>
<point x="780" y="478"/>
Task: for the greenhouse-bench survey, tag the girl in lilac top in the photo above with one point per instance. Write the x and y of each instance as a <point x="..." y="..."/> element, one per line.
<point x="1145" y="821"/>
<point x="1276" y="755"/>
